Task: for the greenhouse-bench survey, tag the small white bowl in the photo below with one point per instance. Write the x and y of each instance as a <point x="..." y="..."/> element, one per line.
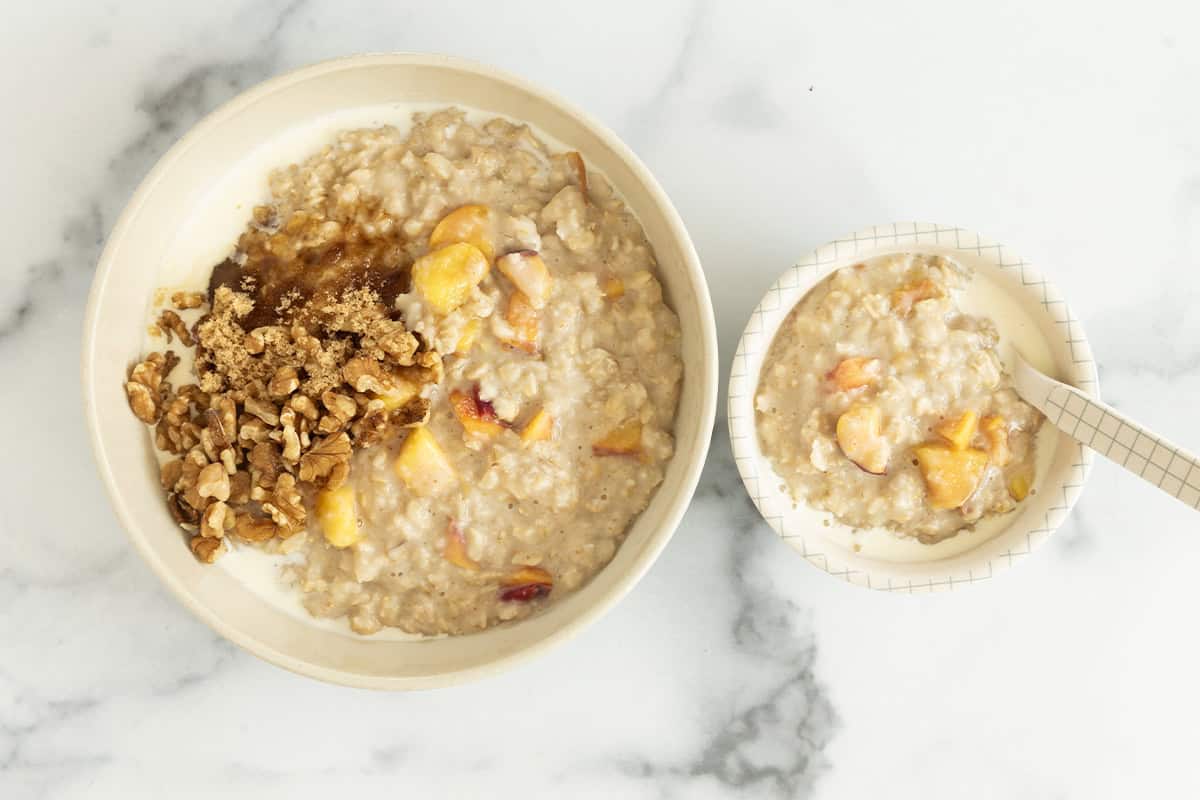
<point x="133" y="264"/>
<point x="1030" y="314"/>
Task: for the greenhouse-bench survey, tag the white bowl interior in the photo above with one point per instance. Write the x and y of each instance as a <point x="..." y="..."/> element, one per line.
<point x="1031" y="315"/>
<point x="133" y="264"/>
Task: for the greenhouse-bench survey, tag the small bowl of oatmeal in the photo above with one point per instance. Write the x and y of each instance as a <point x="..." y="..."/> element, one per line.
<point x="873" y="415"/>
<point x="399" y="370"/>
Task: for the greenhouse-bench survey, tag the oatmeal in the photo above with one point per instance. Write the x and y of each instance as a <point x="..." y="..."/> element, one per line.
<point x="881" y="402"/>
<point x="437" y="372"/>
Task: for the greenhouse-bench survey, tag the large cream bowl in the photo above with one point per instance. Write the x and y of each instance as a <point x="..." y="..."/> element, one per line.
<point x="134" y="263"/>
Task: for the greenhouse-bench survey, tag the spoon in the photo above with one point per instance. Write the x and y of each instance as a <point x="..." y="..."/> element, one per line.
<point x="1111" y="434"/>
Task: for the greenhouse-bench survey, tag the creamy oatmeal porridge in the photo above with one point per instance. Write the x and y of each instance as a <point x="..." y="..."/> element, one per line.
<point x="881" y="402"/>
<point x="437" y="372"/>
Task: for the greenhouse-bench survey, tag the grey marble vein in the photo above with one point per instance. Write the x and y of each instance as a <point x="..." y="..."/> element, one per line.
<point x="644" y="120"/>
<point x="772" y="743"/>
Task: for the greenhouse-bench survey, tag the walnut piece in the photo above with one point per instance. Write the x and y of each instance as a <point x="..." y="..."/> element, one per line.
<point x="286" y="506"/>
<point x="253" y="529"/>
<point x="170" y="473"/>
<point x="186" y="300"/>
<point x="285" y="381"/>
<point x="239" y="488"/>
<point x="182" y="512"/>
<point x="327" y="463"/>
<point x="366" y="375"/>
<point x="213" y="481"/>
<point x="169" y="322"/>
<point x="263" y="409"/>
<point x="265" y="465"/>
<point x="146" y="388"/>
<point x="206" y="549"/>
<point x="291" y="439"/>
<point x="215" y="519"/>
<point x="380" y="425"/>
<point x="340" y="406"/>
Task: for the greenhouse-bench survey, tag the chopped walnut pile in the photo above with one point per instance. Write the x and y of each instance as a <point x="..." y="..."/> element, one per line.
<point x="274" y="413"/>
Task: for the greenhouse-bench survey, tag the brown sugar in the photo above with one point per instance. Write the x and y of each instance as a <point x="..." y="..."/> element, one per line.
<point x="293" y="361"/>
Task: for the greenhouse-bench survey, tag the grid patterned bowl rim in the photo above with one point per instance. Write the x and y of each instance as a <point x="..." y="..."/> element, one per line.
<point x="1059" y="489"/>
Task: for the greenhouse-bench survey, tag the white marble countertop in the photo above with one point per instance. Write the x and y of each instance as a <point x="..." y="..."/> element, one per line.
<point x="734" y="669"/>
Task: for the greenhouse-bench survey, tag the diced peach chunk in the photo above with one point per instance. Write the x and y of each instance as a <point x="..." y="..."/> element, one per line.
<point x="995" y="430"/>
<point x="400" y="393"/>
<point x="337" y="514"/>
<point x="455" y="549"/>
<point x="613" y="288"/>
<point x="468" y="337"/>
<point x="1020" y="484"/>
<point x="528" y="272"/>
<point x="625" y="440"/>
<point x="446" y="276"/>
<point x="539" y="428"/>
<point x="522" y="318"/>
<point x="423" y="465"/>
<point x="951" y="476"/>
<point x="472" y="224"/>
<point x="958" y="431"/>
<point x="857" y="371"/>
<point x="477" y="416"/>
<point x="525" y="584"/>
<point x="860" y="435"/>
<point x="904" y="299"/>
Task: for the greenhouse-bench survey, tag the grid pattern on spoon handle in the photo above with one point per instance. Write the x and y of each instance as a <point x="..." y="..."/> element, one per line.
<point x="1147" y="455"/>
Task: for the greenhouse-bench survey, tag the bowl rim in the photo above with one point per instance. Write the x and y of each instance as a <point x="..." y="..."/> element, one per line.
<point x="705" y="374"/>
<point x="756" y="470"/>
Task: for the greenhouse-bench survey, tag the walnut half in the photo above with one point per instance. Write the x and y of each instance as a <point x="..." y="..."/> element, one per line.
<point x="327" y="462"/>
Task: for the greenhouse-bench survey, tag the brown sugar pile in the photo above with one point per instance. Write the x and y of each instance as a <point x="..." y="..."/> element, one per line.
<point x="299" y="360"/>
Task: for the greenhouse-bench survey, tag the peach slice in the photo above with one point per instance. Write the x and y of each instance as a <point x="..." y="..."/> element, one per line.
<point x="860" y="435"/>
<point x="527" y="583"/>
<point x="995" y="429"/>
<point x="455" y="549"/>
<point x="528" y="272"/>
<point x="523" y="320"/>
<point x="576" y="162"/>
<point x="624" y="440"/>
<point x="337" y="514"/>
<point x="852" y="373"/>
<point x="539" y="428"/>
<point x="471" y="224"/>
<point x="477" y="416"/>
<point x="904" y="299"/>
<point x="951" y="476"/>
<point x="960" y="430"/>
<point x="613" y="288"/>
<point x="446" y="276"/>
<point x="423" y="465"/>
